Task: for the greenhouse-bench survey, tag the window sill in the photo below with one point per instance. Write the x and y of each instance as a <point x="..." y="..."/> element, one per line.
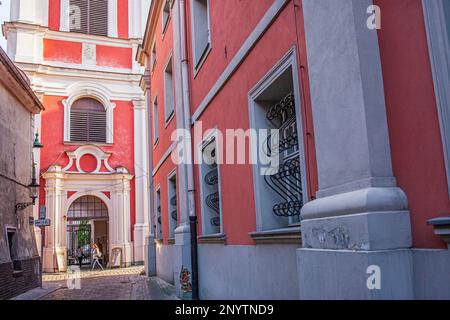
<point x="69" y="143"/>
<point x="278" y="236"/>
<point x="212" y="238"/>
<point x="17" y="273"/>
<point x="171" y="241"/>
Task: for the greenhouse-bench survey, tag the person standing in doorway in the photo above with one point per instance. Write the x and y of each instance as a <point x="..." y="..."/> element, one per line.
<point x="80" y="256"/>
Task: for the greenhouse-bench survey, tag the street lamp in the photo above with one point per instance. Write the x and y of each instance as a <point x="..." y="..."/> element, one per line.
<point x="33" y="189"/>
<point x="37" y="144"/>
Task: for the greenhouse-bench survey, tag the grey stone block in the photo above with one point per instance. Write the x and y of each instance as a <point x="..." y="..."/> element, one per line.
<point x="365" y="231"/>
<point x="341" y="274"/>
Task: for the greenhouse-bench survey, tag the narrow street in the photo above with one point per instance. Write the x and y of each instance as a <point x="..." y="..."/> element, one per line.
<point x="110" y="284"/>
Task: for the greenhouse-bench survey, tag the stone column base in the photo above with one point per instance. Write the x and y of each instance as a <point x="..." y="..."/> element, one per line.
<point x="49" y="260"/>
<point x="140" y="230"/>
<point x="340" y="274"/>
<point x="150" y="256"/>
<point x="182" y="262"/>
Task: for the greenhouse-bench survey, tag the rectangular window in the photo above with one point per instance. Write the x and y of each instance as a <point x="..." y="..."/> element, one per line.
<point x="89" y="17"/>
<point x="200" y="30"/>
<point x="155" y="121"/>
<point x="154" y="56"/>
<point x="166" y="16"/>
<point x="168" y="91"/>
<point x="172" y="204"/>
<point x="12" y="246"/>
<point x="210" y="188"/>
<point x="158" y="220"/>
<point x="279" y="194"/>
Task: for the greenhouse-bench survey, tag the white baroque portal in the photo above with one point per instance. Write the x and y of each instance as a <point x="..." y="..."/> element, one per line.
<point x="64" y="185"/>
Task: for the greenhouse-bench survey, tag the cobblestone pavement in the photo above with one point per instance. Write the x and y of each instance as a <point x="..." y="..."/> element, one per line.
<point x="112" y="284"/>
<point x="88" y="273"/>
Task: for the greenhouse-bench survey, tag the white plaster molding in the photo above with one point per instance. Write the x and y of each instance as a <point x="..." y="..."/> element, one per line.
<point x="112" y="19"/>
<point x="82" y="37"/>
<point x="95" y="193"/>
<point x="55" y="81"/>
<point x="89" y="56"/>
<point x="141" y="169"/>
<point x="64" y="16"/>
<point x="99" y="154"/>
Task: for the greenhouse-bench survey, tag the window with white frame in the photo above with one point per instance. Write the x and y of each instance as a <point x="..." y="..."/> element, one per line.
<point x="155" y="121"/>
<point x="172" y="204"/>
<point x="168" y="91"/>
<point x="210" y="188"/>
<point x="88" y="121"/>
<point x="279" y="194"/>
<point x="201" y="34"/>
<point x="166" y="15"/>
<point x="89" y="17"/>
<point x="437" y="21"/>
<point x="158" y="216"/>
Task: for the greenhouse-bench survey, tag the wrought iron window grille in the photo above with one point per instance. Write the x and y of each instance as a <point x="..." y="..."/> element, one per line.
<point x="213" y="200"/>
<point x="286" y="183"/>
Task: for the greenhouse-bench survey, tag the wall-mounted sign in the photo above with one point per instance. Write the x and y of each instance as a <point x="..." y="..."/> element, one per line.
<point x="42" y="223"/>
<point x="42" y="212"/>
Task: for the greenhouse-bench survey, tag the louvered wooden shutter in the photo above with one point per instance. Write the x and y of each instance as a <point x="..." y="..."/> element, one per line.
<point x="94" y="17"/>
<point x="87" y="121"/>
<point x="79" y="126"/>
<point x="97" y="127"/>
<point x="79" y="23"/>
<point x="98" y="17"/>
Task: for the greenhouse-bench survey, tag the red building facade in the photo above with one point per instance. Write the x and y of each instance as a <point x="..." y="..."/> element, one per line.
<point x="79" y="56"/>
<point x="367" y="108"/>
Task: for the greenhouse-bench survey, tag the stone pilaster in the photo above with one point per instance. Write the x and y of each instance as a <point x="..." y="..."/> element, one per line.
<point x="141" y="227"/>
<point x="360" y="220"/>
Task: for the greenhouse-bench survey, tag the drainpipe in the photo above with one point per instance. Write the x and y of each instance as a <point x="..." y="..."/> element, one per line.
<point x="150" y="239"/>
<point x="188" y="144"/>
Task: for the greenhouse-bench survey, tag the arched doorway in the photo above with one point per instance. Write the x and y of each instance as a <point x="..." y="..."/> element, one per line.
<point x="87" y="223"/>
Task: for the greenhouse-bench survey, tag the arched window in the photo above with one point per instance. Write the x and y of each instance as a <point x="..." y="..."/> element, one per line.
<point x="87" y="121"/>
<point x="86" y="208"/>
<point x="89" y="16"/>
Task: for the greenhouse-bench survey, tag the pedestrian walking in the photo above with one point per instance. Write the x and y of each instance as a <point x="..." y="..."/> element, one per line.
<point x="96" y="256"/>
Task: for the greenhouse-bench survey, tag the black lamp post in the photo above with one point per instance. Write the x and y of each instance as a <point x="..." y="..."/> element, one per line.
<point x="33" y="189"/>
<point x="37" y="143"/>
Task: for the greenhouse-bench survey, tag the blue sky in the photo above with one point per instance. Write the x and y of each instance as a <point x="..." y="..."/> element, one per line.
<point x="4" y="16"/>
